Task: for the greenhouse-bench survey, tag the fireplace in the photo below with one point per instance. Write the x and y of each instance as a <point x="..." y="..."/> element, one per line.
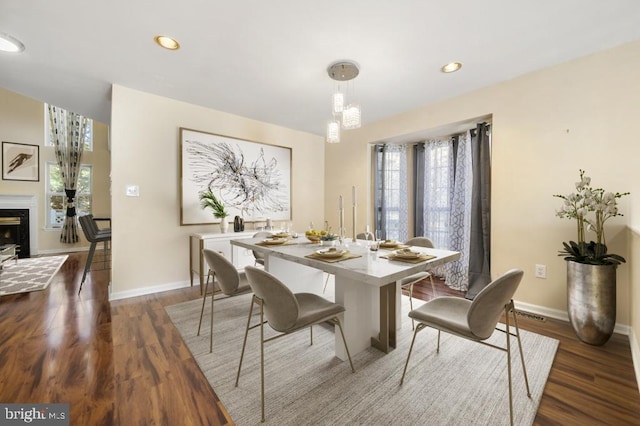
<point x="19" y="223"/>
<point x="14" y="229"/>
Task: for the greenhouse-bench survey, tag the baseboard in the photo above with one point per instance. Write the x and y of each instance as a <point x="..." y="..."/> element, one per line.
<point x="148" y="290"/>
<point x="562" y="315"/>
<point x="61" y="251"/>
<point x="635" y="355"/>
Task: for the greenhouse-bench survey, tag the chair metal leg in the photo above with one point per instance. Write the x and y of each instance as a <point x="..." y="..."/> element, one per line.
<point x="509" y="364"/>
<point x="204" y="300"/>
<point x="211" y="325"/>
<point x="244" y="343"/>
<point x="411" y="305"/>
<point x="418" y="328"/>
<point x="524" y="368"/>
<point x="262" y="358"/>
<point x="438" y="348"/>
<point x="433" y="287"/>
<point x="326" y="281"/>
<point x="337" y="320"/>
<point x="311" y="333"/>
<point x="87" y="266"/>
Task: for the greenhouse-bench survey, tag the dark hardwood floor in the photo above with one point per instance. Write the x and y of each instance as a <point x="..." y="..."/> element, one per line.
<point x="123" y="363"/>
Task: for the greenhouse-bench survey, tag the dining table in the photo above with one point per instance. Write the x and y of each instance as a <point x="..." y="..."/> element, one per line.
<point x="365" y="281"/>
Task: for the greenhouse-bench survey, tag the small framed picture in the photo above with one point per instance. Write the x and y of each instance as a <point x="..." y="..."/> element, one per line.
<point x="20" y="161"/>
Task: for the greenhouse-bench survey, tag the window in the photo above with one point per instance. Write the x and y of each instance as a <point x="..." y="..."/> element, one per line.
<point x="48" y="139"/>
<point x="391" y="191"/>
<point x="56" y="196"/>
<point x="438" y="190"/>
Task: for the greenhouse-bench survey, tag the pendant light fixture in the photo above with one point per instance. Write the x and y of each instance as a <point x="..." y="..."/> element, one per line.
<point x="348" y="116"/>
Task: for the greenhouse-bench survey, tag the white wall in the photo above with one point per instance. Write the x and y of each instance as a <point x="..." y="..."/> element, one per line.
<point x="150" y="248"/>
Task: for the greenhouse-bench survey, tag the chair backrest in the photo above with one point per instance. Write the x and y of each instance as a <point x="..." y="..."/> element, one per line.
<point x="280" y="305"/>
<point x="261" y="234"/>
<point x="88" y="227"/>
<point x="420" y="242"/>
<point x="366" y="236"/>
<point x="488" y="305"/>
<point x="226" y="273"/>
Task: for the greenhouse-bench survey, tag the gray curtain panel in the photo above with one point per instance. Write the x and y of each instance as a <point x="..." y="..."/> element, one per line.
<point x="480" y="255"/>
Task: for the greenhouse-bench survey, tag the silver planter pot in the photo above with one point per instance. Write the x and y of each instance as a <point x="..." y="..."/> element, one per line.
<point x="591" y="301"/>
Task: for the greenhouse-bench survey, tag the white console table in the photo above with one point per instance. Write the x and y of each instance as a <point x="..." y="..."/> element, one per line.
<point x="240" y="257"/>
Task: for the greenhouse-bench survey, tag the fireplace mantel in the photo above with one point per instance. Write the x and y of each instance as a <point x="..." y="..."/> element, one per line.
<point x="15" y="201"/>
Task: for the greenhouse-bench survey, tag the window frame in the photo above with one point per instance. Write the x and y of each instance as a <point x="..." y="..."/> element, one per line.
<point x="49" y="211"/>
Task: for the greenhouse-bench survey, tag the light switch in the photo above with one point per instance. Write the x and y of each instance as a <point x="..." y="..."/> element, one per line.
<point x="133" y="191"/>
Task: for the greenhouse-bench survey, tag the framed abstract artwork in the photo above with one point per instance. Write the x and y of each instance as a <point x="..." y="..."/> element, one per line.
<point x="251" y="179"/>
<point x="20" y="162"/>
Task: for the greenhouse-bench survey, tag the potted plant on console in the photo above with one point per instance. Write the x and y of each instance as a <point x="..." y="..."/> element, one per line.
<point x="591" y="269"/>
<point x="209" y="200"/>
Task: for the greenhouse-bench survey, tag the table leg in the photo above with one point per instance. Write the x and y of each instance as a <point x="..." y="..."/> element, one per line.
<point x="386" y="340"/>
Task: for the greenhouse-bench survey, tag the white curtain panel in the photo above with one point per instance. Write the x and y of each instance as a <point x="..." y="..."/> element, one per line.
<point x="457" y="272"/>
<point x="447" y="201"/>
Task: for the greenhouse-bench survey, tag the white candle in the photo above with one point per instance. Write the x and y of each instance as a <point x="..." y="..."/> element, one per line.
<point x="353" y="191"/>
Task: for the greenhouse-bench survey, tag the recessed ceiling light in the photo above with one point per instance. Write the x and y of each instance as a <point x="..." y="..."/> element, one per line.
<point x="10" y="44"/>
<point x="167" y="42"/>
<point x="451" y="67"/>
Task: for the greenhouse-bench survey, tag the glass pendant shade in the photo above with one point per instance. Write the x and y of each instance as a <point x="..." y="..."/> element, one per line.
<point x="333" y="132"/>
<point x="338" y="102"/>
<point x="351" y="117"/>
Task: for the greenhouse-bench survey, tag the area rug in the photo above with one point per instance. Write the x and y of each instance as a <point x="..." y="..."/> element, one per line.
<point x="30" y="274"/>
<point x="464" y="384"/>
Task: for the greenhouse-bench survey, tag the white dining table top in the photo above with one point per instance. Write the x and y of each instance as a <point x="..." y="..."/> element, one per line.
<point x="370" y="267"/>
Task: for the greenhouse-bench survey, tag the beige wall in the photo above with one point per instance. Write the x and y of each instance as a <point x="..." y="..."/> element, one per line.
<point x="22" y="121"/>
<point x="546" y="126"/>
<point x="150" y="246"/>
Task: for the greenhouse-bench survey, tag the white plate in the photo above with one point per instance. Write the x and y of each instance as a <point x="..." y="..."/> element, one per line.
<point x="388" y="244"/>
<point x="275" y="241"/>
<point x="329" y="253"/>
<point x="406" y="254"/>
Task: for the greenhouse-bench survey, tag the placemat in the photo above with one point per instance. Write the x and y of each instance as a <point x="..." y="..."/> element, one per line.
<point x="286" y="243"/>
<point x="346" y="256"/>
<point x="422" y="258"/>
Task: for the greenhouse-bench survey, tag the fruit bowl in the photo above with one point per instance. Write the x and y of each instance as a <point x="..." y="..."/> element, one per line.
<point x="313" y="238"/>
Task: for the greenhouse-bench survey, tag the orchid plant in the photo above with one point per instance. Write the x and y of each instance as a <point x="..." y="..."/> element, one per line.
<point x="591" y="208"/>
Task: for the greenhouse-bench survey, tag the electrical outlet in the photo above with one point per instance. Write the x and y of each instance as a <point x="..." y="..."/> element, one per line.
<point x="541" y="271"/>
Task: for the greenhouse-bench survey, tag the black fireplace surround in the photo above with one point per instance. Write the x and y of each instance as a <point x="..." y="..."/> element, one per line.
<point x="16" y="233"/>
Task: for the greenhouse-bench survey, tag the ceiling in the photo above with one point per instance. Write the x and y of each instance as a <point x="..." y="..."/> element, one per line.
<point x="268" y="60"/>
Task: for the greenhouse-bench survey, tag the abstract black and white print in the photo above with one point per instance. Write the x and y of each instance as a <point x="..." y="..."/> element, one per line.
<point x="251" y="179"/>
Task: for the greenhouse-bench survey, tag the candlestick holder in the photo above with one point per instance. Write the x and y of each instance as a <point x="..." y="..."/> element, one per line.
<point x="354" y="223"/>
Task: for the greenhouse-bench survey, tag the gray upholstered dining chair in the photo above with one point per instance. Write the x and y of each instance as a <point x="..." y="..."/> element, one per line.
<point x="259" y="257"/>
<point x="230" y="282"/>
<point x="366" y="236"/>
<point x="286" y="313"/>
<point x="94" y="235"/>
<point x="408" y="282"/>
<point x="475" y="320"/>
